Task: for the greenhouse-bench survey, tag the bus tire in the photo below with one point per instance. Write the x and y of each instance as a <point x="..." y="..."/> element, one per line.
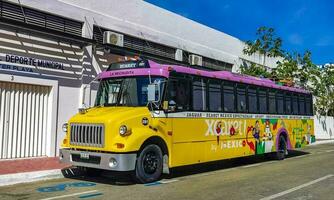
<point x="282" y="148"/>
<point x="149" y="164"/>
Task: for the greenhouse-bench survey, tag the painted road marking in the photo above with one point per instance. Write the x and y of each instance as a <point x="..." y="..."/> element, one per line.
<point x="62" y="187"/>
<point x="297" y="157"/>
<point x="297" y="188"/>
<point x="168" y="181"/>
<point x="161" y="182"/>
<point x="152" y="184"/>
<point x="252" y="165"/>
<point x="90" y="195"/>
<point x="70" y="195"/>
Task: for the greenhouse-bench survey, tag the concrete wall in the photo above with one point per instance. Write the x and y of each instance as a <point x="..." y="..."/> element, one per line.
<point x="324" y="127"/>
<point x="141" y="19"/>
<point x="64" y="83"/>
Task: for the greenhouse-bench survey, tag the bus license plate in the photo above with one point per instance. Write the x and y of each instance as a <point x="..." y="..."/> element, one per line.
<point x="84" y="155"/>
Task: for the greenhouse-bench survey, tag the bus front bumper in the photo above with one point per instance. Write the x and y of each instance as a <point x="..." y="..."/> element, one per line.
<point x="107" y="161"/>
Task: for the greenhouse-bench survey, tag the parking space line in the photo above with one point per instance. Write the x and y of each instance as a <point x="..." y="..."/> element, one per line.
<point x="297" y="188"/>
<point x="90" y="195"/>
<point x="252" y="165"/>
<point x="70" y="195"/>
<point x="168" y="181"/>
<point x="297" y="157"/>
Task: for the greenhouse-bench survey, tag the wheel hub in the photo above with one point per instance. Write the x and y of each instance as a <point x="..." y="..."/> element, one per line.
<point x="150" y="162"/>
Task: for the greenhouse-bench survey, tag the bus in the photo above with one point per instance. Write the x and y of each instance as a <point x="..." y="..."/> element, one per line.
<point x="150" y="117"/>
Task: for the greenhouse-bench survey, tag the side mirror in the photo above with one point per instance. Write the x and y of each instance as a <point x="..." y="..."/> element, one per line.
<point x="153" y="93"/>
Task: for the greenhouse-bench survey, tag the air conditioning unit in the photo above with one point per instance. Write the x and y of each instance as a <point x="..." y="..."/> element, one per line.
<point x="179" y="55"/>
<point x="195" y="60"/>
<point x="113" y="38"/>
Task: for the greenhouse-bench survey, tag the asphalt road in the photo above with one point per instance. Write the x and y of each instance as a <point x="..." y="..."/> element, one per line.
<point x="305" y="174"/>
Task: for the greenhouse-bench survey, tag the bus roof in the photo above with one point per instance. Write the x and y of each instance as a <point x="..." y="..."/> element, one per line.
<point x="156" y="69"/>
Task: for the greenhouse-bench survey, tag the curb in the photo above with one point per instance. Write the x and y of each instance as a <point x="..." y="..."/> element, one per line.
<point x="322" y="142"/>
<point x="11" y="179"/>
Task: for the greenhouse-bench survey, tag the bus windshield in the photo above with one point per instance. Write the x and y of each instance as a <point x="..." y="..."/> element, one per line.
<point x="130" y="91"/>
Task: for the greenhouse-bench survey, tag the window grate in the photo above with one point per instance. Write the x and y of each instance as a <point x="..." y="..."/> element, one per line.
<point x="14" y="12"/>
<point x="138" y="44"/>
<point x="153" y="48"/>
<point x="216" y="64"/>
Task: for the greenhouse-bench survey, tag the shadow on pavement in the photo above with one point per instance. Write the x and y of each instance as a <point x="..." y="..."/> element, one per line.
<point x="101" y="176"/>
<point x="227" y="164"/>
<point x="125" y="178"/>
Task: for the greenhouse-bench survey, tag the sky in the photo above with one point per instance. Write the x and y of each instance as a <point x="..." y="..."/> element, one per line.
<point x="302" y="24"/>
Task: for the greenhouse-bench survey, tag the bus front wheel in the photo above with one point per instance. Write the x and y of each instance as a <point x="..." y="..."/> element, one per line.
<point x="149" y="164"/>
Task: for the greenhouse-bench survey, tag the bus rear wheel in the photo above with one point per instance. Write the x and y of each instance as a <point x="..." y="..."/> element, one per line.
<point x="282" y="148"/>
<point x="149" y="164"/>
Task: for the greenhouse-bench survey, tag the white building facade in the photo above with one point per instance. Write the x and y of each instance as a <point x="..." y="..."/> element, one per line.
<point x="51" y="50"/>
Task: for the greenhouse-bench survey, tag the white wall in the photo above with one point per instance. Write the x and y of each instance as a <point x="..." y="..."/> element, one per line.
<point x="144" y="20"/>
<point x="324" y="127"/>
<point x="67" y="107"/>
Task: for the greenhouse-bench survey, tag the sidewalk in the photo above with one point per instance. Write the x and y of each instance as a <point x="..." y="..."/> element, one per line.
<point x="323" y="141"/>
<point x="28" y="170"/>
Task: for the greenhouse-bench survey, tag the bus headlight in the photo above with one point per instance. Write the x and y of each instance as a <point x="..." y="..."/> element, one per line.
<point x="124" y="131"/>
<point x="64" y="127"/>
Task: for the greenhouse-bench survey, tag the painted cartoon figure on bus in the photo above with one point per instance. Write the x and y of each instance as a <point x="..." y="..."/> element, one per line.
<point x="267" y="130"/>
<point x="256" y="131"/>
<point x="232" y="131"/>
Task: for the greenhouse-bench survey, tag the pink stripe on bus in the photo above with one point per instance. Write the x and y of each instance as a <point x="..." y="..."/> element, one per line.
<point x="156" y="69"/>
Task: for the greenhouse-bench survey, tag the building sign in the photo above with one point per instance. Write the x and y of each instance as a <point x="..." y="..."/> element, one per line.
<point x="29" y="61"/>
<point x="15" y="68"/>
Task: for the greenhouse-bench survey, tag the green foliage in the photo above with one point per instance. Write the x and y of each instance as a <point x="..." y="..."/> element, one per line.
<point x="288" y="68"/>
<point x="323" y="89"/>
<point x="266" y="44"/>
<point x="299" y="68"/>
<point x="255" y="70"/>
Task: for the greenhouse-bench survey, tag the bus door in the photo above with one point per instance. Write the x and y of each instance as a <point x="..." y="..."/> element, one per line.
<point x="188" y="131"/>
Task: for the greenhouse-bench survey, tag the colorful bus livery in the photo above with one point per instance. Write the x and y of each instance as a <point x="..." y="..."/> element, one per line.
<point x="150" y="117"/>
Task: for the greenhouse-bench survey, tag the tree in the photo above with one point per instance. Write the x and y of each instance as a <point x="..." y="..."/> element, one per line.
<point x="267" y="44"/>
<point x="288" y="68"/>
<point x="255" y="70"/>
<point x="323" y="90"/>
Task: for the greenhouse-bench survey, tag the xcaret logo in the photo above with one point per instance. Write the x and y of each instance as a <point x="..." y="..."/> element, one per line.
<point x="225" y="127"/>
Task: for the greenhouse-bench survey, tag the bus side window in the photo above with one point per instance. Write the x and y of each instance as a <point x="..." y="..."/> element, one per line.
<point x="229" y="98"/>
<point x="263" y="101"/>
<point x="215" y="103"/>
<point x="308" y="102"/>
<point x="199" y="94"/>
<point x="295" y="104"/>
<point x="178" y="94"/>
<point x="301" y="104"/>
<point x="272" y="102"/>
<point x="280" y="102"/>
<point x="252" y="100"/>
<point x="241" y="98"/>
<point x="287" y="99"/>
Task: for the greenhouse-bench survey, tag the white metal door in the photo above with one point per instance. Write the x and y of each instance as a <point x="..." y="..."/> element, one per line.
<point x="23" y="120"/>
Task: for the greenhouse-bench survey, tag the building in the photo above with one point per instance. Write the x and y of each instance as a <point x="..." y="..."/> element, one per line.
<point x="51" y="50"/>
